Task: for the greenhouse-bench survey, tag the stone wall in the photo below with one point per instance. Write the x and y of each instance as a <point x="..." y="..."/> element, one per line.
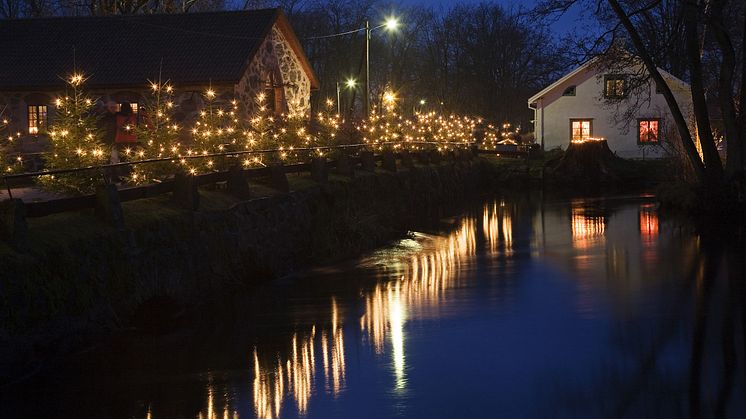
<point x="97" y="275"/>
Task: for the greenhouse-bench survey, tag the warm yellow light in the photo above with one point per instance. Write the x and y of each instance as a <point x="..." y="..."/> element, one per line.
<point x="351" y="83"/>
<point x="389" y="97"/>
<point x="210" y="93"/>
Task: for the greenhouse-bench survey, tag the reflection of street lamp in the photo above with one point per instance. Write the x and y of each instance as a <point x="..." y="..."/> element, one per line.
<point x="391" y="25"/>
<point x="350" y="84"/>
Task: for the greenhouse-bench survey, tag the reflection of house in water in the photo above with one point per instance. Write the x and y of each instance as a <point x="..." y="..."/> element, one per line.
<point x="599" y="242"/>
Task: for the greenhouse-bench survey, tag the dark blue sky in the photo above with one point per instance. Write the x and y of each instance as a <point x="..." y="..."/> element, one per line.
<point x="562" y="26"/>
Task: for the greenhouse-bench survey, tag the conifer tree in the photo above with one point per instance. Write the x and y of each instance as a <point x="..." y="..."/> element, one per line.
<point x="76" y="142"/>
<point x="158" y="135"/>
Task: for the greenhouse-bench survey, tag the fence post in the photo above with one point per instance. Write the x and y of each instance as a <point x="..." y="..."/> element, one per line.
<point x="389" y="161"/>
<point x="423" y="157"/>
<point x="108" y="205"/>
<point x="318" y="170"/>
<point x="368" y="161"/>
<point x="406" y="159"/>
<point x="186" y="194"/>
<point x="278" y="177"/>
<point x="13" y="226"/>
<point x="237" y="184"/>
<point x="344" y="165"/>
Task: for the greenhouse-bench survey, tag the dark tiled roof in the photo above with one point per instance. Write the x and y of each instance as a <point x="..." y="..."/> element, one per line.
<point x="127" y="50"/>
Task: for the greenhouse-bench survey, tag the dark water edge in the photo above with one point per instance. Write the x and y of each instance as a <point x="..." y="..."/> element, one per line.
<point x="548" y="307"/>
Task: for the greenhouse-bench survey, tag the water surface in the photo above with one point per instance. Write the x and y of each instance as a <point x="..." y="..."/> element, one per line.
<point x="516" y="308"/>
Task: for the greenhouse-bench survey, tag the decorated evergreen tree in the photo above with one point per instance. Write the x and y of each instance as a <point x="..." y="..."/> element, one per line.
<point x="214" y="132"/>
<point x="159" y="137"/>
<point x="76" y="142"/>
<point x="261" y="133"/>
<point x="8" y="162"/>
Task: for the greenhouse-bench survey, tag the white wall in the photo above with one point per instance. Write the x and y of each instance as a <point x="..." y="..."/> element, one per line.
<point x="554" y="111"/>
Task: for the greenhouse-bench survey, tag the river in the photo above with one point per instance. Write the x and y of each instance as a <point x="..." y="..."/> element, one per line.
<point x="516" y="308"/>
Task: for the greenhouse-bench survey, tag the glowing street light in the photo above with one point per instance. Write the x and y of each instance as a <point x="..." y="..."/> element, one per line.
<point x="391" y="24"/>
<point x="350" y="83"/>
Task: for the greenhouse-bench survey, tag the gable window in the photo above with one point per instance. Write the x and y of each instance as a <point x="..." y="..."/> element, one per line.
<point x="581" y="129"/>
<point x="37" y="118"/>
<point x="648" y="131"/>
<point x="570" y="91"/>
<point x="615" y="86"/>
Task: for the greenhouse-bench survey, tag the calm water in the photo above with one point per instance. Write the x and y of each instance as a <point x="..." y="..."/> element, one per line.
<point x="583" y="308"/>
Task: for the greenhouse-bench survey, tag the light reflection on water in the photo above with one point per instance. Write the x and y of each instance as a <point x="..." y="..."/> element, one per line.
<point x="590" y="299"/>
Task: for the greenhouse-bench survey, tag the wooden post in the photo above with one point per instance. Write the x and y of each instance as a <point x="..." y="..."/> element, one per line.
<point x="368" y="161"/>
<point x="319" y="173"/>
<point x="108" y="206"/>
<point x="389" y="161"/>
<point x="423" y="157"/>
<point x="13" y="226"/>
<point x="344" y="165"/>
<point x="406" y="159"/>
<point x="278" y="177"/>
<point x="186" y="194"/>
<point x="237" y="184"/>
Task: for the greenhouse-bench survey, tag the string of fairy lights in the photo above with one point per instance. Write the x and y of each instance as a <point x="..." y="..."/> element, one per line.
<point x="222" y="127"/>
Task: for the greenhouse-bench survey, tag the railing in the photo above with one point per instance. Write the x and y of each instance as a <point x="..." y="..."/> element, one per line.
<point x="108" y="198"/>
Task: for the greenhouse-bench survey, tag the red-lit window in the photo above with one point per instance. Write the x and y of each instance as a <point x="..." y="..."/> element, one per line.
<point x="648" y="131"/>
<point x="580" y="129"/>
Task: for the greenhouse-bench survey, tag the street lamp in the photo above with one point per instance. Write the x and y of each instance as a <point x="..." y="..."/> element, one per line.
<point x="390" y="25"/>
<point x="350" y="84"/>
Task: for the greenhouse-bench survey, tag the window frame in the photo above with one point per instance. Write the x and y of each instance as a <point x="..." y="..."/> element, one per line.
<point x="581" y="120"/>
<point x="607" y="78"/>
<point x="660" y="129"/>
<point x="40" y="119"/>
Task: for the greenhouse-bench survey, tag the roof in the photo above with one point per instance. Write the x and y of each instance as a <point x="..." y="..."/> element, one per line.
<point x="682" y="84"/>
<point x="557" y="83"/>
<point x="192" y="48"/>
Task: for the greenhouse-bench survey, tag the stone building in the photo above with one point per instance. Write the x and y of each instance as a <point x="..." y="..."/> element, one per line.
<point x="238" y="54"/>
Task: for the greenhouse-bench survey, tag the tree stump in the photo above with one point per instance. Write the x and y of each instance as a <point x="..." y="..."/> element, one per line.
<point x="587" y="162"/>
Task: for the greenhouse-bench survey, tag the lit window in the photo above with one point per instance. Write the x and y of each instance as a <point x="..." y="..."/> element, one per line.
<point x="580" y="129"/>
<point x="570" y="91"/>
<point x="37" y="118"/>
<point x="133" y="105"/>
<point x="648" y="131"/>
<point x="615" y="87"/>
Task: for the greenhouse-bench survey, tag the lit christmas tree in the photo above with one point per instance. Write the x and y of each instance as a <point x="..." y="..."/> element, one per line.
<point x="76" y="142"/>
<point x="158" y="135"/>
<point x="261" y="133"/>
<point x="214" y="132"/>
<point x="8" y="163"/>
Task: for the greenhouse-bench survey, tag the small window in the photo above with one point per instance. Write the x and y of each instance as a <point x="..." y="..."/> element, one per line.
<point x="581" y="129"/>
<point x="37" y="118"/>
<point x="570" y="91"/>
<point x="615" y="86"/>
<point x="648" y="131"/>
<point x="133" y="105"/>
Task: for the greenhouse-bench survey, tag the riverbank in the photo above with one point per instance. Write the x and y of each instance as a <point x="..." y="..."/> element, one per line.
<point x="82" y="276"/>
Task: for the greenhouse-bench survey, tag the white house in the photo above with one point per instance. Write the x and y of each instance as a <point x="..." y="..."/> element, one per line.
<point x="579" y="106"/>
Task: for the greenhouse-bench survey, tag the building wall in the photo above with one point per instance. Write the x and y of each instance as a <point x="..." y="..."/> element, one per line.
<point x="554" y="111"/>
<point x="276" y="65"/>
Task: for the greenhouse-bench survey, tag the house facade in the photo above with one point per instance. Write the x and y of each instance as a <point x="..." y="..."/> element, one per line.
<point x="592" y="103"/>
<point x="237" y="54"/>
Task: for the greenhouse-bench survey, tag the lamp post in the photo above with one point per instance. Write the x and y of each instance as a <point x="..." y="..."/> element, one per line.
<point x="391" y="24"/>
<point x="350" y="84"/>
